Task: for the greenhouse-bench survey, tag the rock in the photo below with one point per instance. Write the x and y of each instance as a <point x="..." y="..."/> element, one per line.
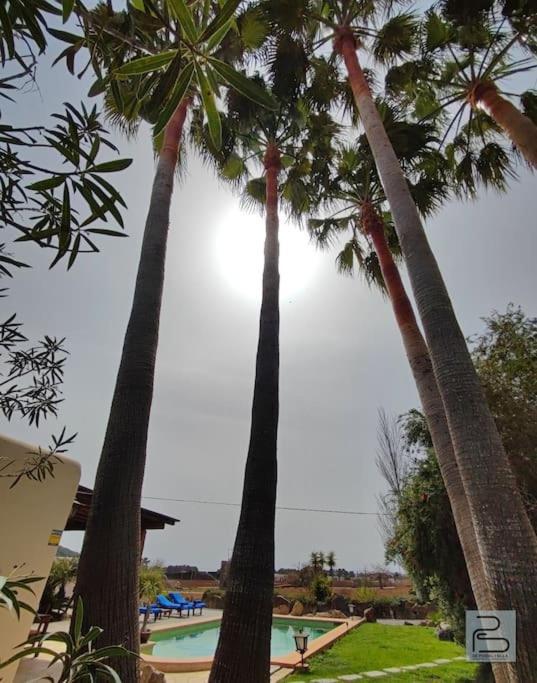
<point x="445" y="634"/>
<point x="369" y="614"/>
<point x="340" y="603"/>
<point x="408" y="623"/>
<point x="150" y="675"/>
<point x="214" y="601"/>
<point x="337" y="614"/>
<point x="282" y="609"/>
<point x="280" y="600"/>
<point x="298" y="609"/>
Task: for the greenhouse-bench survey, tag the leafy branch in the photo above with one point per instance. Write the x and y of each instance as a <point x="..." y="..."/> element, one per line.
<point x="40" y="463"/>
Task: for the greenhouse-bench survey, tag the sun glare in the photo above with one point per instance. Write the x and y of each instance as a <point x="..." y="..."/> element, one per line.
<point x="239" y="253"/>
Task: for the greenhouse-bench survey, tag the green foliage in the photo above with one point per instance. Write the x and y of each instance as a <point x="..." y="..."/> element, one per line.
<point x="23" y="30"/>
<point x="395" y="38"/>
<point x="54" y="599"/>
<point x="528" y="100"/>
<point x="32" y="376"/>
<point x="321" y="587"/>
<point x="79" y="658"/>
<point x="505" y="356"/>
<point x="364" y="594"/>
<point x="183" y="60"/>
<point x="39" y="464"/>
<point x="351" y="184"/>
<point x="425" y="538"/>
<point x="214" y="592"/>
<point x="44" y="210"/>
<point x="152" y="581"/>
<point x="39" y="200"/>
<point x="11" y="588"/>
<point x="459" y="52"/>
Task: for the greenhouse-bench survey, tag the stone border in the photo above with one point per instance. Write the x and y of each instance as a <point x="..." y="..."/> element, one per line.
<point x="290" y="661"/>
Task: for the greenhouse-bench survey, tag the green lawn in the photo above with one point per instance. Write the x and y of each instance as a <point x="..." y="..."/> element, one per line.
<point x="375" y="646"/>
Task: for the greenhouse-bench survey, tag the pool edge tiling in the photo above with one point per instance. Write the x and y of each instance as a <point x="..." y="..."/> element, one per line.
<point x="290" y="661"/>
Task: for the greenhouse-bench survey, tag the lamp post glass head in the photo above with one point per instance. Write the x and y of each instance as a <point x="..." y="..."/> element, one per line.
<point x="301" y="643"/>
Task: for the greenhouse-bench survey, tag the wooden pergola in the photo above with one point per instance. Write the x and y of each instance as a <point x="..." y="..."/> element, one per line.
<point x="78" y="517"/>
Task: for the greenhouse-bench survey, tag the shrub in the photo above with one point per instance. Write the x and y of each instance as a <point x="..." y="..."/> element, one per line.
<point x="364" y="594"/>
<point x="80" y="659"/>
<point x="321" y="587"/>
<point x="152" y="581"/>
<point x="213" y="593"/>
<point x="54" y="598"/>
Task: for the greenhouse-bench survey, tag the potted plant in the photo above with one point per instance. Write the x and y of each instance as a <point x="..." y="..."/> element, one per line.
<point x="152" y="582"/>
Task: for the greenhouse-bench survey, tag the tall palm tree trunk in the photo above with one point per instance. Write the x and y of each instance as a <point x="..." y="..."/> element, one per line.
<point x="507" y="543"/>
<point x="431" y="401"/>
<point x="109" y="562"/>
<point x="520" y="128"/>
<point x="243" y="652"/>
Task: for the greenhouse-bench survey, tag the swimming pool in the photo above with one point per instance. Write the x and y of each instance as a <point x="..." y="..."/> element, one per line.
<point x="199" y="641"/>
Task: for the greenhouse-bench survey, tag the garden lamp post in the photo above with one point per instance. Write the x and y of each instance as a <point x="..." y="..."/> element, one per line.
<point x="301" y="644"/>
<point x="351" y="610"/>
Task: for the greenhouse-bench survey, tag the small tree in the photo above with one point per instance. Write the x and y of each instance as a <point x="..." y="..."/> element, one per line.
<point x="152" y="582"/>
<point x="321" y="587"/>
<point x="331" y="562"/>
<point x="424" y="538"/>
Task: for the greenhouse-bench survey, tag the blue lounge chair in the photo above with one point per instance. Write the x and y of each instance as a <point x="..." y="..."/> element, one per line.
<point x="196" y="604"/>
<point x="153" y="609"/>
<point x="164" y="603"/>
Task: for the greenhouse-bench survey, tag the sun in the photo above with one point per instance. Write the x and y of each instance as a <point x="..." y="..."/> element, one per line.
<point x="239" y="254"/>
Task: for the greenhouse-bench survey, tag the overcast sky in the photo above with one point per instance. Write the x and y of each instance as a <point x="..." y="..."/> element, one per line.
<point x="341" y="355"/>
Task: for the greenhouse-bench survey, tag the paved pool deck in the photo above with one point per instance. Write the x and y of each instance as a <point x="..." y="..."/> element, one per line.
<point x="32" y="668"/>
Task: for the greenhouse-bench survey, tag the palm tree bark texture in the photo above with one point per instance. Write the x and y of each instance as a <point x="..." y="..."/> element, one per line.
<point x="431" y="401"/>
<point x="243" y="651"/>
<point x="506" y="541"/>
<point x="109" y="562"/>
<point x="520" y="128"/>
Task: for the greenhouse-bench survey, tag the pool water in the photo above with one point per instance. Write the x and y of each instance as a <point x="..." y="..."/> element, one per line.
<point x="200" y="641"/>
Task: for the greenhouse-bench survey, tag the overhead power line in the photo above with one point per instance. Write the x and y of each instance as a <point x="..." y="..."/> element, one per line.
<point x="278" y="507"/>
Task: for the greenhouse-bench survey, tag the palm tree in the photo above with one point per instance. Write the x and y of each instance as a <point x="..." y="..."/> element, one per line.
<point x="500" y="521"/>
<point x="468" y="68"/>
<point x="331" y="562"/>
<point x="360" y="201"/>
<point x="152" y="581"/>
<point x="163" y="59"/>
<point x="284" y="142"/>
<point x="322" y="561"/>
